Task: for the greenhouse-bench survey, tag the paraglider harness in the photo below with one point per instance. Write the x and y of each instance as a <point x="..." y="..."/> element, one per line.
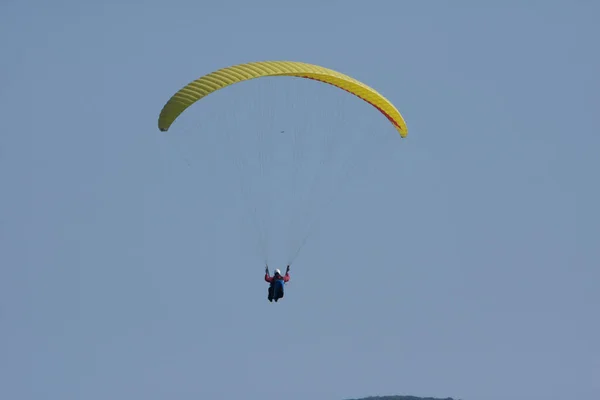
<point x="276" y="288"/>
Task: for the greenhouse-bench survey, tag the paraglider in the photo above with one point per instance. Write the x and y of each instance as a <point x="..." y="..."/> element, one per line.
<point x="219" y="79"/>
<point x="276" y="283"/>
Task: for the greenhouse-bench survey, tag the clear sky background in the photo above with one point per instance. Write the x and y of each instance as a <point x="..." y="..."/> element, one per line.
<point x="463" y="262"/>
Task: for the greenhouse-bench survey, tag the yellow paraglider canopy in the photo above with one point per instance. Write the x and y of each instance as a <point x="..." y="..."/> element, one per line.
<point x="219" y="79"/>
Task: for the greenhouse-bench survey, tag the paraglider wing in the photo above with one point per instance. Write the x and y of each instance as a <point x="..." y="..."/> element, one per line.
<point x="219" y="79"/>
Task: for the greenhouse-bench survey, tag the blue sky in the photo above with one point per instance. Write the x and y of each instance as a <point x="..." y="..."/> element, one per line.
<point x="463" y="262"/>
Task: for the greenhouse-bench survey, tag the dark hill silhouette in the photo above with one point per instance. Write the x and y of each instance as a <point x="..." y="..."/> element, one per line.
<point x="402" y="398"/>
